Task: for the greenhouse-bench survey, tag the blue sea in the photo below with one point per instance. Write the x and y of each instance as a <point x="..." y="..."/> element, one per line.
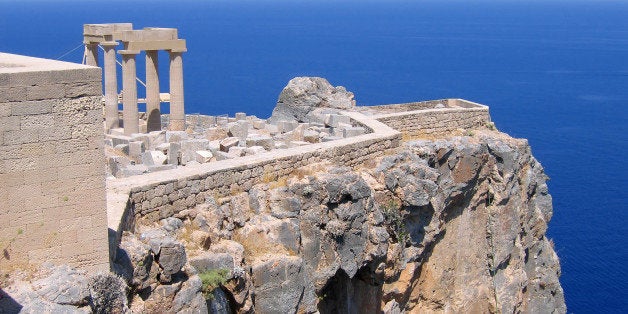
<point x="554" y="72"/>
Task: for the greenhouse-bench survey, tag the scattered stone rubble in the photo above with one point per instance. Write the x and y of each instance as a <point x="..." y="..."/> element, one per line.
<point x="316" y="119"/>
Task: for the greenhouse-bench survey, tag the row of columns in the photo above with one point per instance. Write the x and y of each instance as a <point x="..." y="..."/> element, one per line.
<point x="151" y="40"/>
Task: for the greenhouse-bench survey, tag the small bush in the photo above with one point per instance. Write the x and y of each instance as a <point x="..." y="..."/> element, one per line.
<point x="213" y="279"/>
<point x="394" y="220"/>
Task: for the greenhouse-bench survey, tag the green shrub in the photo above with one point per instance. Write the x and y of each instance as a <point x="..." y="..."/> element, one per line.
<point x="213" y="279"/>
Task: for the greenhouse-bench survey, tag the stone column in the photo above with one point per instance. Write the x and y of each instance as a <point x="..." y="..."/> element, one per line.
<point x="91" y="54"/>
<point x="111" y="86"/>
<point x="177" y="111"/>
<point x="129" y="93"/>
<point x="152" y="92"/>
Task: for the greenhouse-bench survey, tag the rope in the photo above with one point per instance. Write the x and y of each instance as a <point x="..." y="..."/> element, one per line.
<point x="67" y="53"/>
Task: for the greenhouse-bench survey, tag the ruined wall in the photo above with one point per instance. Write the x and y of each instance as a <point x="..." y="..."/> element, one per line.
<point x="52" y="178"/>
<point x="433" y="122"/>
<point x="155" y="196"/>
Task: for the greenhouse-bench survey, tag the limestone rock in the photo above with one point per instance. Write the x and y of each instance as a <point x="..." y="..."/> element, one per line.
<point x="281" y="286"/>
<point x="303" y="95"/>
<point x="108" y="294"/>
<point x="64" y="286"/>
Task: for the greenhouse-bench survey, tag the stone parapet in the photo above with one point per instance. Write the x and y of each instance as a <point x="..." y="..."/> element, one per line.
<point x="162" y="194"/>
<point x="458" y="114"/>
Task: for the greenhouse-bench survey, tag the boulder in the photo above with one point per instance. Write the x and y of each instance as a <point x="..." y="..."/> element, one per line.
<point x="64" y="285"/>
<point x="303" y="95"/>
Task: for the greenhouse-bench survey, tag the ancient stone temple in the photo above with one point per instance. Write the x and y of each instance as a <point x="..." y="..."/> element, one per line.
<point x="150" y="40"/>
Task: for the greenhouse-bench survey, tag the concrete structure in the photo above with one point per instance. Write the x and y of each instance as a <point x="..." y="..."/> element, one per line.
<point x="52" y="183"/>
<point x="150" y="40"/>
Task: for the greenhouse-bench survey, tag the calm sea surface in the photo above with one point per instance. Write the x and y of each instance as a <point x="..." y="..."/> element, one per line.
<point x="553" y="72"/>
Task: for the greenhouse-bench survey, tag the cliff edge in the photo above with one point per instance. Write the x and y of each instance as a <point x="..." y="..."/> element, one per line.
<point x="449" y="225"/>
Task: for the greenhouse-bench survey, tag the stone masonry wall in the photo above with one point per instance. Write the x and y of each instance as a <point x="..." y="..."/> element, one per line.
<point x="433" y="122"/>
<point x="52" y="179"/>
<point x="159" y="195"/>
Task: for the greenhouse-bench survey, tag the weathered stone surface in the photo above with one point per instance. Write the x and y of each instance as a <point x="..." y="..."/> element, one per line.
<point x="281" y="286"/>
<point x="153" y="158"/>
<point x="189" y="298"/>
<point x="227" y="143"/>
<point x="64" y="286"/>
<point x="240" y="129"/>
<point x="211" y="261"/>
<point x="203" y="156"/>
<point x="219" y="303"/>
<point x="303" y="95"/>
<point x="264" y="141"/>
<point x="108" y="294"/>
<point x="190" y="147"/>
<point x="254" y="150"/>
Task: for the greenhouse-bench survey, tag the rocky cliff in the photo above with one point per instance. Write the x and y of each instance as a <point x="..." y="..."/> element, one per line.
<point x="455" y="225"/>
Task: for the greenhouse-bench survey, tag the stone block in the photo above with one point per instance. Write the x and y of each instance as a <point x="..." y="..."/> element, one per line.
<point x="156" y="138"/>
<point x="240" y="129"/>
<point x="333" y="120"/>
<point x="287" y="126"/>
<point x="297" y="143"/>
<point x="189" y="148"/>
<point x="163" y="147"/>
<point x="136" y="148"/>
<point x="174" y="154"/>
<point x="133" y="170"/>
<point x="237" y="151"/>
<point x="330" y="138"/>
<point x="311" y="136"/>
<point x="272" y="129"/>
<point x="260" y="140"/>
<point x="154" y="158"/>
<point x="176" y="136"/>
<point x="222" y="121"/>
<point x="229" y="142"/>
<point x="259" y="124"/>
<point x="254" y="150"/>
<point x="161" y="167"/>
<point x="281" y="145"/>
<point x="214" y="146"/>
<point x="239" y="116"/>
<point x="353" y="131"/>
<point x="216" y="133"/>
<point x="203" y="156"/>
<point x="222" y="156"/>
